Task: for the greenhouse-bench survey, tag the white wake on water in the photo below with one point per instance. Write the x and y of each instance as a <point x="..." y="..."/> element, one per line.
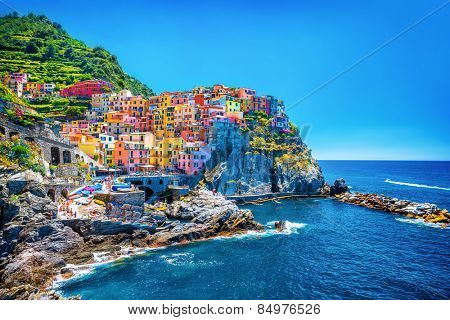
<point x="416" y="185"/>
<point x="291" y="228"/>
<point x="187" y="259"/>
<point x="421" y="222"/>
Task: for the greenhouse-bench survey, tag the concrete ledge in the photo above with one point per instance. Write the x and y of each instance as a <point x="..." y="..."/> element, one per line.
<point x="242" y="199"/>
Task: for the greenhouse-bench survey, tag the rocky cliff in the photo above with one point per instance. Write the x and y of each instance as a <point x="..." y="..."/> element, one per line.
<point x="261" y="160"/>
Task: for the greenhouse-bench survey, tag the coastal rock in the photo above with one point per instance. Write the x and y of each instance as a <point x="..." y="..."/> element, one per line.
<point x="34" y="248"/>
<point x="17" y="183"/>
<point x="209" y="215"/>
<point x="423" y="211"/>
<point x="338" y="187"/>
<point x="234" y="168"/>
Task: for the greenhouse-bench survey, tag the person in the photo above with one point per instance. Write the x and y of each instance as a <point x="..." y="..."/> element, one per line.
<point x="214" y="191"/>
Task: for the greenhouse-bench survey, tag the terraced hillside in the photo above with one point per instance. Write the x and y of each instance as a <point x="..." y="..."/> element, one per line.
<point x="43" y="49"/>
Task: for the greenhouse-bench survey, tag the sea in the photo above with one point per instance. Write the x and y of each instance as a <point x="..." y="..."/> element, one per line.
<point x="330" y="250"/>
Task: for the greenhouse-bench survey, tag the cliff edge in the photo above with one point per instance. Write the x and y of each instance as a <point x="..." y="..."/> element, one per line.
<point x="259" y="159"/>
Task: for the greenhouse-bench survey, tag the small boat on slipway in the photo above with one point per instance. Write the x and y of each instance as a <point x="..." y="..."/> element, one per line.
<point x="121" y="187"/>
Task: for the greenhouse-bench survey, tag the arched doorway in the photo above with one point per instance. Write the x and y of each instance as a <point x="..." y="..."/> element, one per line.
<point x="51" y="193"/>
<point x="66" y="157"/>
<point x="148" y="192"/>
<point x="55" y="157"/>
<point x="65" y="193"/>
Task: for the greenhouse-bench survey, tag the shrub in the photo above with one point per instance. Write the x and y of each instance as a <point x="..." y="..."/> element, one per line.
<point x="73" y="112"/>
<point x="31" y="48"/>
<point x="60" y="102"/>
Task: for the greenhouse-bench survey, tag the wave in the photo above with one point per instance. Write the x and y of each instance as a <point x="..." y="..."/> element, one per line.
<point x="100" y="259"/>
<point x="416" y="185"/>
<point x="187" y="259"/>
<point x="291" y="227"/>
<point x="421" y="222"/>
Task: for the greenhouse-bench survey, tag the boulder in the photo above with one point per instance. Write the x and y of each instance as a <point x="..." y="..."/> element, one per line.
<point x="339" y="187"/>
<point x="17" y="182"/>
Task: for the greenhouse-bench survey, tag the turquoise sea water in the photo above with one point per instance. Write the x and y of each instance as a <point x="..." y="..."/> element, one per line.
<point x="331" y="250"/>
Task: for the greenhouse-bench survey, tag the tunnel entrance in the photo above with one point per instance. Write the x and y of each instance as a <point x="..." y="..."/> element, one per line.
<point x="52" y="194"/>
<point x="55" y="157"/>
<point x="148" y="192"/>
<point x="2" y="130"/>
<point x="66" y="157"/>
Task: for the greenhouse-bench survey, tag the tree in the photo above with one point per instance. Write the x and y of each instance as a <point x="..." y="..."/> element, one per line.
<point x="49" y="52"/>
<point x="106" y="89"/>
<point x="31" y="48"/>
<point x="68" y="53"/>
<point x="73" y="112"/>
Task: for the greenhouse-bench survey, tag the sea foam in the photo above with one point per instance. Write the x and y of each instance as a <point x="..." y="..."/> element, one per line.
<point x="416" y="185"/>
<point x="421" y="222"/>
<point x="291" y="227"/>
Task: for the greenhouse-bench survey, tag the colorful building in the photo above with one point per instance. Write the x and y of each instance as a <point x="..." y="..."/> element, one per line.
<point x="193" y="157"/>
<point x="85" y="89"/>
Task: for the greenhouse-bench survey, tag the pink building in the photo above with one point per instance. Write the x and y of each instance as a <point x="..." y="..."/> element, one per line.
<point x="130" y="156"/>
<point x="246" y="93"/>
<point x="193" y="158"/>
<point x="85" y="89"/>
<point x="258" y="104"/>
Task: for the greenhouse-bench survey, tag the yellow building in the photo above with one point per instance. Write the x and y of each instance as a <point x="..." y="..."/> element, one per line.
<point x="136" y="106"/>
<point x="232" y="106"/>
<point x="165" y="154"/>
<point x="158" y="122"/>
<point x="95" y="128"/>
<point x="169" y="122"/>
<point x="245" y="105"/>
<point x="90" y="146"/>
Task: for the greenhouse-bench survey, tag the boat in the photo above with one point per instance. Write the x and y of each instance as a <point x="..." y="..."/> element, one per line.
<point x="85" y="193"/>
<point x="82" y="201"/>
<point x="124" y="189"/>
<point x="76" y="191"/>
<point x="99" y="202"/>
<point x="97" y="187"/>
<point x="120" y="185"/>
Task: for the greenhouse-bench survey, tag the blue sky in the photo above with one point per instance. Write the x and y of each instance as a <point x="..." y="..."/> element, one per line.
<point x="394" y="105"/>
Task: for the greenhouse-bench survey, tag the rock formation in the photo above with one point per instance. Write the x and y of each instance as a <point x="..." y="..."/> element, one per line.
<point x="338" y="187"/>
<point x="425" y="211"/>
<point x="35" y="248"/>
<point x="260" y="161"/>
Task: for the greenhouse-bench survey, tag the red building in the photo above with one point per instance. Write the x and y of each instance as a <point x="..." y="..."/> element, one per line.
<point x="85" y="89"/>
<point x="200" y="99"/>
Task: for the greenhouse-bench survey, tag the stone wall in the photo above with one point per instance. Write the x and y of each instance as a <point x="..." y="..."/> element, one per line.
<point x="54" y="149"/>
<point x="87" y="227"/>
<point x="123" y="206"/>
<point x="155" y="186"/>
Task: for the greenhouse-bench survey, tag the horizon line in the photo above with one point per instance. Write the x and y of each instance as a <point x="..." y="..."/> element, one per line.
<point x="411" y="160"/>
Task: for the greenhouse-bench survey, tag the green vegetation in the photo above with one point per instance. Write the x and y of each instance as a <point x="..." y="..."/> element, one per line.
<point x="24" y="118"/>
<point x="35" y="45"/>
<point x="8" y="95"/>
<point x="51" y="107"/>
<point x="20" y="153"/>
<point x="288" y="149"/>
